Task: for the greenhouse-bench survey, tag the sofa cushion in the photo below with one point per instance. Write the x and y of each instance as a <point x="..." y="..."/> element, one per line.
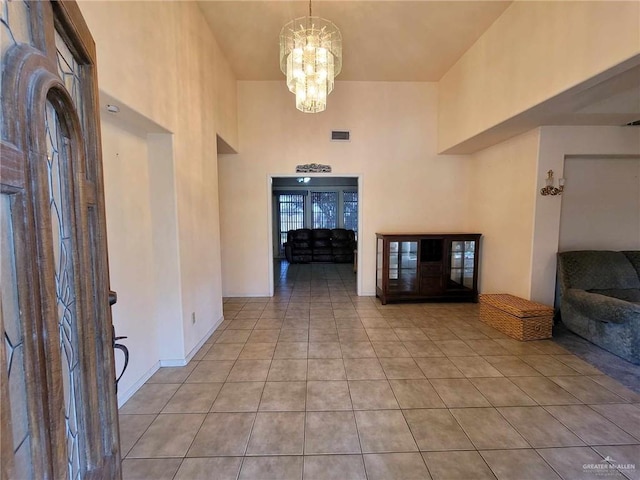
<point x="303" y="251"/>
<point x="321" y="234"/>
<point x="596" y="307"/>
<point x="634" y="258"/>
<point x="597" y="269"/>
<point x="300" y="235"/>
<point x="322" y="243"/>
<point x="342" y="235"/>
<point x="627" y="294"/>
<point x="343" y="244"/>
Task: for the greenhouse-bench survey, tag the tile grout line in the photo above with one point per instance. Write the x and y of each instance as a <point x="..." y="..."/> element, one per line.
<point x="345" y="300"/>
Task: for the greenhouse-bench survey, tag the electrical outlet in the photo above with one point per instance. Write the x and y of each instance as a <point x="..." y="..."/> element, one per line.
<point x="193" y="317"/>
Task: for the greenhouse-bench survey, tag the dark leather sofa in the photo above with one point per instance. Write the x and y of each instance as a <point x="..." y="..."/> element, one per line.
<point x="307" y="245"/>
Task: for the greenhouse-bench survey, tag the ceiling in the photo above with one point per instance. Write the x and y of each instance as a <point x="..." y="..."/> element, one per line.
<point x="403" y="40"/>
<point x="395" y="40"/>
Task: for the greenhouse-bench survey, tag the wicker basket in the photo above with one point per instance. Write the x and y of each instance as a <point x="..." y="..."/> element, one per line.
<point x="516" y="317"/>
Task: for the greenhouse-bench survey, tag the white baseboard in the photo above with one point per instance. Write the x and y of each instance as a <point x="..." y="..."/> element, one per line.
<point x="124" y="396"/>
<point x="177" y="362"/>
<point x="195" y="349"/>
<point x="173" y="362"/>
<point x="246" y="295"/>
<point x="181" y="362"/>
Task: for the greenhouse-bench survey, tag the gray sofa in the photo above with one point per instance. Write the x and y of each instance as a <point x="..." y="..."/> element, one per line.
<point x="600" y="298"/>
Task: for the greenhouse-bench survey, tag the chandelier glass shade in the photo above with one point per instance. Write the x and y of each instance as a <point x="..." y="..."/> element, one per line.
<point x="311" y="58"/>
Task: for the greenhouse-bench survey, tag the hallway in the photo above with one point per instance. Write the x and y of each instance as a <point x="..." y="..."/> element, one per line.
<point x="317" y="383"/>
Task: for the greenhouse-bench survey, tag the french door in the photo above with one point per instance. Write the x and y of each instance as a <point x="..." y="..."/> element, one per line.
<point x="290" y="210"/>
<point x="59" y="411"/>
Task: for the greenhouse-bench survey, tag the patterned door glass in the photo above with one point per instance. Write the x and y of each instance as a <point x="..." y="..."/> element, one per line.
<point x="70" y="72"/>
<point x="15" y="28"/>
<point x="58" y="163"/>
<point x="13" y="345"/>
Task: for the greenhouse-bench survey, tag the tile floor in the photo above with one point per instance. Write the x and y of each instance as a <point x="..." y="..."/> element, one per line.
<point x="317" y="383"/>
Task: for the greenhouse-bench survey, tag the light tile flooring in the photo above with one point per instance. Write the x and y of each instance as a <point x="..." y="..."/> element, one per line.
<point x="317" y="383"/>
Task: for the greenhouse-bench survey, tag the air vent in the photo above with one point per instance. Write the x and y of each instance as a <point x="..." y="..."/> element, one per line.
<point x="340" y="135"/>
<point x="634" y="124"/>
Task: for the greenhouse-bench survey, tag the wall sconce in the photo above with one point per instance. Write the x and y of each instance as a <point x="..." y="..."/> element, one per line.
<point x="549" y="189"/>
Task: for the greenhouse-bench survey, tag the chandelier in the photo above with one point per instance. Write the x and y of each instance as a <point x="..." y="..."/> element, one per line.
<point x="310" y="57"/>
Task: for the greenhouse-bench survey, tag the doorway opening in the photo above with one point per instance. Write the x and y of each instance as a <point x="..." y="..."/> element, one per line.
<point x="325" y="210"/>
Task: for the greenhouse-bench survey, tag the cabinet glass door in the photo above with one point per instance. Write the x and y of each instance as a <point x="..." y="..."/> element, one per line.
<point x="469" y="262"/>
<point x="462" y="264"/>
<point x="403" y="267"/>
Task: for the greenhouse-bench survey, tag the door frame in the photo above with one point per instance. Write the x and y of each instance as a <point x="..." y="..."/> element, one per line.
<point x="32" y="81"/>
<point x="270" y="215"/>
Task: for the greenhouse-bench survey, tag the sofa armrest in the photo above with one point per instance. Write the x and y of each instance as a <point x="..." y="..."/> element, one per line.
<point x="288" y="251"/>
<point x="600" y="307"/>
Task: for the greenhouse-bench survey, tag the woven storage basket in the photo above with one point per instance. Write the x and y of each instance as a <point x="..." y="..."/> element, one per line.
<point x="514" y="316"/>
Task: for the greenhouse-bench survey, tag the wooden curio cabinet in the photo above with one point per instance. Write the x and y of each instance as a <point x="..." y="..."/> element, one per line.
<point x="427" y="266"/>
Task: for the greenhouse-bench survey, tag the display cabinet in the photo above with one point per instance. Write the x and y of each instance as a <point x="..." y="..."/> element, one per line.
<point x="427" y="266"/>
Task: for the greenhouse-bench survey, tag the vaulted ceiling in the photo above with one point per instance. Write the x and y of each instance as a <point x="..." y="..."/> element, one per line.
<point x="394" y="40"/>
<point x="399" y="40"/>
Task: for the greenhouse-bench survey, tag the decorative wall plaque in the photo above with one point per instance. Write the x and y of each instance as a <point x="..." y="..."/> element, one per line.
<point x="313" y="168"/>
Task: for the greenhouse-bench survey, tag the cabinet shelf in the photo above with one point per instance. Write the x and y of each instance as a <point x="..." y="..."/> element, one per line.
<point x="427" y="266"/>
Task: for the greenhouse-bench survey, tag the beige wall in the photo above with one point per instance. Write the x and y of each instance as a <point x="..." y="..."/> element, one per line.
<point x="601" y="205"/>
<point x="501" y="207"/>
<point x="129" y="234"/>
<point x="136" y="51"/>
<point x="404" y="185"/>
<point x="160" y="62"/>
<point x="534" y="51"/>
<point x="557" y="143"/>
<point x="196" y="173"/>
<point x="521" y="228"/>
<point x="139" y="45"/>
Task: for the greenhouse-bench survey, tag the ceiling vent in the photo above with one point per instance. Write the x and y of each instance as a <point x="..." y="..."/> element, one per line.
<point x="634" y="124"/>
<point x="340" y="135"/>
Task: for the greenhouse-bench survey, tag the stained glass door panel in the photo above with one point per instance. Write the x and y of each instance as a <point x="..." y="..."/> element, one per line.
<point x="61" y="215"/>
<point x="57" y="376"/>
<point x="14" y="396"/>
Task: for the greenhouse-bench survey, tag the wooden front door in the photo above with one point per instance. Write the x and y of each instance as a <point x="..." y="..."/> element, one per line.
<point x="57" y="392"/>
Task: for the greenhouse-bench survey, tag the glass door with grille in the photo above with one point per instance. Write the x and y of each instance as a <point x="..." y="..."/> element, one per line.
<point x="290" y="216"/>
<point x="350" y="211"/>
